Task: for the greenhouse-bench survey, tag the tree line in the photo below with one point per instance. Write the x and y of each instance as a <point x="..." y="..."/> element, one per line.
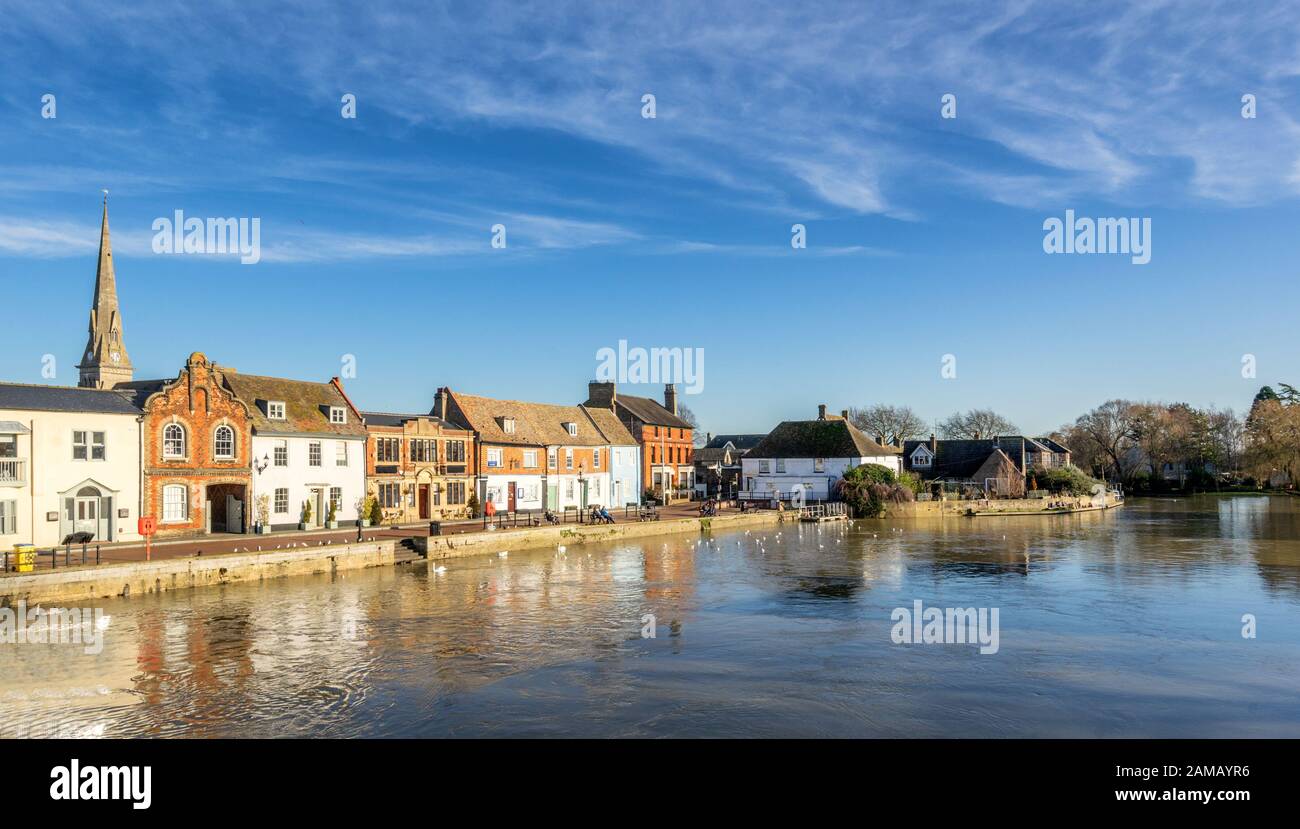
<point x="1142" y="444"/>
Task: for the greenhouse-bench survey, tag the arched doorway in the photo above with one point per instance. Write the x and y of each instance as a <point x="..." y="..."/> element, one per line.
<point x="88" y="507"/>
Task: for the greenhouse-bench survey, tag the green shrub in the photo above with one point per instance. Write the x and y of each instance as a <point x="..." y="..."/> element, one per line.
<point x="1066" y="479"/>
<point x="869" y="487"/>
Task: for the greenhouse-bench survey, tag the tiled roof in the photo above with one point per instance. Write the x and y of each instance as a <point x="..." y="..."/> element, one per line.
<point x="817" y="439"/>
<point x="616" y="434"/>
<point x="741" y="442"/>
<point x="306" y="405"/>
<point x="712" y="454"/>
<point x="536" y="424"/>
<point x="651" y="411"/>
<point x="66" y="399"/>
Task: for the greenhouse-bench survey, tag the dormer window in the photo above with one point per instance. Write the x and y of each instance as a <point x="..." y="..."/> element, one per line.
<point x="922" y="457"/>
<point x="338" y="414"/>
<point x="572" y="429"/>
<point x="275" y="409"/>
<point x="508" y="425"/>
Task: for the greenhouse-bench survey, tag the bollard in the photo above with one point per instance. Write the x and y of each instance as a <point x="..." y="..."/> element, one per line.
<point x="97" y="554"/>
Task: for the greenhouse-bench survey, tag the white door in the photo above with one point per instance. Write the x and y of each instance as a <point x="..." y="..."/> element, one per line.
<point x="87" y="515"/>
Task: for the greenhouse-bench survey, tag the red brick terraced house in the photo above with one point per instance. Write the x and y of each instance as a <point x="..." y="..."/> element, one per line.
<point x="197" y="436"/>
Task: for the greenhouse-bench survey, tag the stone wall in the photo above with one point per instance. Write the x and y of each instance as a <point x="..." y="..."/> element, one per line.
<point x="451" y="546"/>
<point x="141" y="577"/>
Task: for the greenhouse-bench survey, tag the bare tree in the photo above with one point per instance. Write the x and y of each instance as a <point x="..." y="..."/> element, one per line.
<point x="983" y="423"/>
<point x="697" y="437"/>
<point x="1113" y="427"/>
<point x="893" y="423"/>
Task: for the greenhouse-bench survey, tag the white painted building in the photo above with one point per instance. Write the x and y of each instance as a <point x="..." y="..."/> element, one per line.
<point x="809" y="455"/>
<point x="309" y="446"/>
<point x="69" y="463"/>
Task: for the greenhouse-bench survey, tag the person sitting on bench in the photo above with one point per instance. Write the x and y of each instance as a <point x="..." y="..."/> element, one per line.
<point x="605" y="516"/>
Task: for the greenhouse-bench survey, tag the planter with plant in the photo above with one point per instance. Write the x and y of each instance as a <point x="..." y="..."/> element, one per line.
<point x="472" y="505"/>
<point x="363" y="509"/>
<point x="264" y="514"/>
<point x="305" y="518"/>
<point x="332" y="517"/>
<point x="376" y="513"/>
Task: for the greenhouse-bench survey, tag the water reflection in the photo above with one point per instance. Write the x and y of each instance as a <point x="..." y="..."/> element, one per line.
<point x="1124" y="623"/>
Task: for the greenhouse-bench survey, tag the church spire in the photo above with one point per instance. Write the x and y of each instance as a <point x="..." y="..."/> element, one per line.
<point x="105" y="363"/>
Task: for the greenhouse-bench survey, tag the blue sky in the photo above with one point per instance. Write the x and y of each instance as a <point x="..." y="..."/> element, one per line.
<point x="924" y="234"/>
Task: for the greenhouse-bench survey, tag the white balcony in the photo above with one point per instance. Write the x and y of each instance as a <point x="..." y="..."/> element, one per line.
<point x="13" y="472"/>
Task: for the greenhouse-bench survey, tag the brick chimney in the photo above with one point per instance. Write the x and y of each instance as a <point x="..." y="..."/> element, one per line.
<point x="977" y="435"/>
<point x="670" y="397"/>
<point x="821" y="411"/>
<point x="440" y="403"/>
<point x="601" y="395"/>
<point x="934" y="444"/>
<point x="844" y="413"/>
<point x="708" y="437"/>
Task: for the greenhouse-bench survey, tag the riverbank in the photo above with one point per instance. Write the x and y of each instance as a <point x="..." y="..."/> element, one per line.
<point x="139" y="578"/>
<point x="136" y="578"/>
<point x="500" y="541"/>
<point x="1019" y="506"/>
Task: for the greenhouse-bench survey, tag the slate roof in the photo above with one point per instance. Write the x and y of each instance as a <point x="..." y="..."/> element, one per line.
<point x="741" y="442"/>
<point x="1053" y="445"/>
<point x="956" y="459"/>
<point x="66" y="399"/>
<point x="537" y="424"/>
<point x="817" y="439"/>
<point x="713" y="454"/>
<point x="648" y="410"/>
<point x="306" y="405"/>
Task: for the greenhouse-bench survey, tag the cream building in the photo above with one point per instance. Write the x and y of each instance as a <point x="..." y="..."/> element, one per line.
<point x="69" y="463"/>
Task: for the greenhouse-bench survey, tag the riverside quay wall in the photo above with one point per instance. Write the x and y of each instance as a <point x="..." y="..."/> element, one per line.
<point x="138" y="578"/>
<point x="452" y="546"/>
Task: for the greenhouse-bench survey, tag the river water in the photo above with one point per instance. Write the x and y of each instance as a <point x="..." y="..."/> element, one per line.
<point x="1117" y="624"/>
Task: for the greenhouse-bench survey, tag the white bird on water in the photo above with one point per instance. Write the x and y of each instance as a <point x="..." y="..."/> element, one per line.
<point x="503" y="553"/>
<point x="440" y="569"/>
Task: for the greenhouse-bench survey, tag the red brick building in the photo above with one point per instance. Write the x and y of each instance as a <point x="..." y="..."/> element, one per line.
<point x="667" y="441"/>
<point x="197" y="437"/>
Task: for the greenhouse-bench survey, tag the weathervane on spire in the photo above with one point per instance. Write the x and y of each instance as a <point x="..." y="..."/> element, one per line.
<point x="105" y="192"/>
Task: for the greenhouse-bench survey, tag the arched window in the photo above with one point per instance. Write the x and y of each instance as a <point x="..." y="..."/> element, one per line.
<point x="224" y="442"/>
<point x="176" y="503"/>
<point x="173" y="441"/>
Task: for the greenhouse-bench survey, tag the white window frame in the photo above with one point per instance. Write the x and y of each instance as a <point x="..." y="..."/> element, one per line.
<point x="921" y="457"/>
<point x="764" y="467"/>
<point x="340" y="453"/>
<point x="338" y="415"/>
<point x="572" y="429"/>
<point x="595" y="458"/>
<point x="276" y="506"/>
<point x="530" y="459"/>
<point x="216" y="443"/>
<point x="314" y="454"/>
<point x="568" y="458"/>
<point x="780" y="465"/>
<point x="819" y="464"/>
<point x="275" y="410"/>
<point x="169" y="516"/>
<point x="508" y="425"/>
<point x="184" y="442"/>
<point x="280" y="450"/>
<point x="8" y="517"/>
<point x="494" y="459"/>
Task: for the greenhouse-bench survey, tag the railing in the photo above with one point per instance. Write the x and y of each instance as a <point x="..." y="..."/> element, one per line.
<point x="824" y="510"/>
<point x="13" y="470"/>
